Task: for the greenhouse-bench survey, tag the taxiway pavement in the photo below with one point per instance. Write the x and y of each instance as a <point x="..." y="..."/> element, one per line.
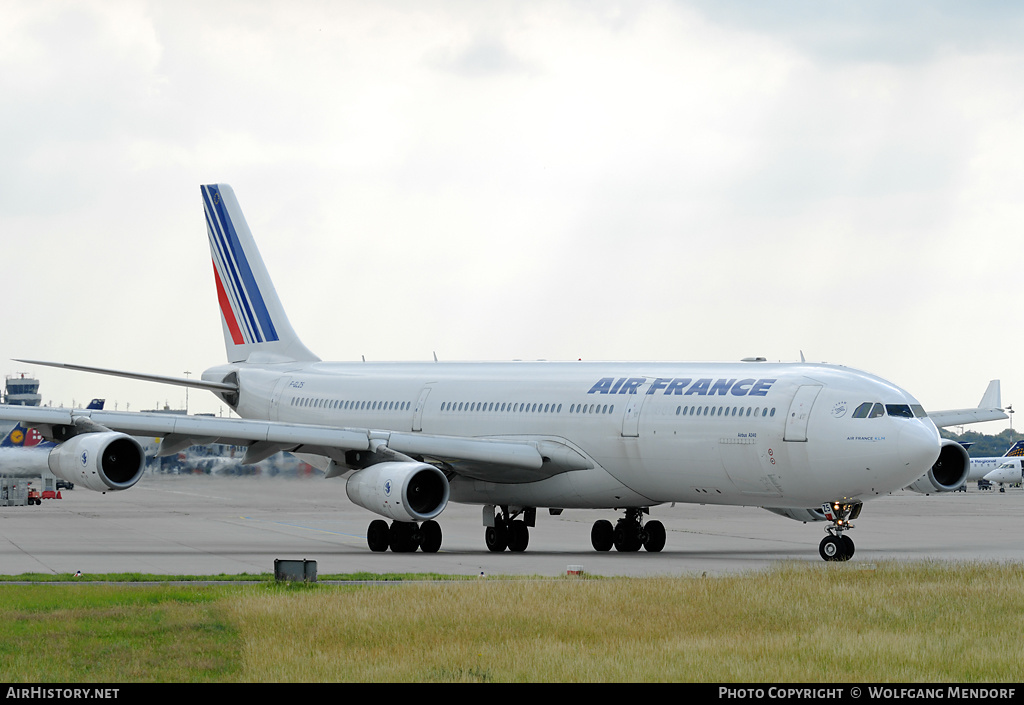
<point x="208" y="525"/>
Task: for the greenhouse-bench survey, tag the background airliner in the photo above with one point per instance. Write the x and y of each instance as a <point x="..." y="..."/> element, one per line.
<point x="980" y="467"/>
<point x="1003" y="470"/>
<point x="24" y="452"/>
<point x="808" y="441"/>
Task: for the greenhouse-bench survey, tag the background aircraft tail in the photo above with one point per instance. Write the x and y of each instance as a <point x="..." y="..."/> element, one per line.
<point x="1017" y="449"/>
<point x="256" y="328"/>
<point x="21" y="436"/>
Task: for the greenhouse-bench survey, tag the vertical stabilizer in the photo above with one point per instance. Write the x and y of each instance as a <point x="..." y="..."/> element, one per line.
<point x="1016" y="450"/>
<point x="256" y="328"/>
<point x="992" y="398"/>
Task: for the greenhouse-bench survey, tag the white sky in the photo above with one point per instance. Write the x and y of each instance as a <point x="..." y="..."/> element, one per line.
<point x="502" y="180"/>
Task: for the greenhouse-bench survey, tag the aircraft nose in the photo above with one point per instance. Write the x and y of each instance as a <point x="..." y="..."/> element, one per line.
<point x="919" y="445"/>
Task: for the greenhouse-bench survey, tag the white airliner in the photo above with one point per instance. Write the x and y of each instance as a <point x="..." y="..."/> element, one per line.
<point x="808" y="441"/>
<point x="1008" y="472"/>
<point x="1003" y="470"/>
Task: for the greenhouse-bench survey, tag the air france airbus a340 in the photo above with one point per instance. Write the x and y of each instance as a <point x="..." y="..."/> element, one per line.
<point x="810" y="442"/>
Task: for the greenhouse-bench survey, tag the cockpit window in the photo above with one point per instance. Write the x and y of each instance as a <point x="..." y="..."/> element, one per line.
<point x="900" y="410"/>
<point x="861" y="412"/>
<point x="874" y="410"/>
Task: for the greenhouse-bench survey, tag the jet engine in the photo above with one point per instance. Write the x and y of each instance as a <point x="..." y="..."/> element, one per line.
<point x="100" y="461"/>
<point x="804" y="515"/>
<point x="400" y="490"/>
<point x="948" y="473"/>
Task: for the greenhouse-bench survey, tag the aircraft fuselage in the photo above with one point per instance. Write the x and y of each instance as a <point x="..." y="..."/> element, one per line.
<point x="756" y="433"/>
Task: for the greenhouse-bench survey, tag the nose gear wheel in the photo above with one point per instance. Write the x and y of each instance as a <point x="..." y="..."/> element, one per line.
<point x="837" y="546"/>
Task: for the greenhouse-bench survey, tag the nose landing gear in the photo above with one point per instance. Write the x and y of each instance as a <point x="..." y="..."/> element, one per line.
<point x="837" y="546"/>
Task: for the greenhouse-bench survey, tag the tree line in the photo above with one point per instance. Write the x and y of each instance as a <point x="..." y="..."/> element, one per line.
<point x="985" y="446"/>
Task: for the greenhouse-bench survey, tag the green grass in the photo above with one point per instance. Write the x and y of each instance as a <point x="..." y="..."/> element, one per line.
<point x="113" y="634"/>
<point x="233" y="578"/>
<point x="820" y="623"/>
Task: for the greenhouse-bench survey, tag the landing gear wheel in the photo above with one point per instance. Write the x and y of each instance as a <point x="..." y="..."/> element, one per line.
<point x="378" y="536"/>
<point x="430" y="537"/>
<point x="629" y="534"/>
<point x="626" y="536"/>
<point x="518" y="536"/>
<point x="402" y="539"/>
<point x="602" y="535"/>
<point x="496" y="537"/>
<point x="653" y="536"/>
<point x="836" y="548"/>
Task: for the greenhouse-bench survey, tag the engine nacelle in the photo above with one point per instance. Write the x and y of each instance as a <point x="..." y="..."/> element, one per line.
<point x="99" y="461"/>
<point x="804" y="515"/>
<point x="403" y="491"/>
<point x="948" y="473"/>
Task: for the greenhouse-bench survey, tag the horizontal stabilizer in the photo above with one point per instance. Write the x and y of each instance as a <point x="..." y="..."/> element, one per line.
<point x="989" y="409"/>
<point x="957" y="417"/>
<point x="176" y="381"/>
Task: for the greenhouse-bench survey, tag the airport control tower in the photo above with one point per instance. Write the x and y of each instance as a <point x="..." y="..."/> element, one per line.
<point x="22" y="390"/>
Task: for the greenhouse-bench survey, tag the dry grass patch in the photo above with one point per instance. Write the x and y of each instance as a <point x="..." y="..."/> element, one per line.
<point x="800" y="623"/>
<point x="819" y="623"/>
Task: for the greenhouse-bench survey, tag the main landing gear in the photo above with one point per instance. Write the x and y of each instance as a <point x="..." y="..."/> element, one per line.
<point x="629" y="533"/>
<point x="837" y="546"/>
<point x="503" y="530"/>
<point x="404" y="536"/>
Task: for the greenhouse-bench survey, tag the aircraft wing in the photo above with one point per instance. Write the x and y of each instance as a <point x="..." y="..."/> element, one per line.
<point x="515" y="459"/>
<point x="989" y="409"/>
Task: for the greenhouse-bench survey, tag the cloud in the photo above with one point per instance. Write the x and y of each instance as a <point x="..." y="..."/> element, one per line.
<point x="527" y="180"/>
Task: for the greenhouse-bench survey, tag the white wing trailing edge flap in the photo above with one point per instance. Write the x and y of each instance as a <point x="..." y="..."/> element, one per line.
<point x="808" y="441"/>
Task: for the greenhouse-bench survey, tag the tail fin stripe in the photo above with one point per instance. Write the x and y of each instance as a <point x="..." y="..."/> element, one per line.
<point x="232" y="297"/>
<point x="235" y="263"/>
<point x="253" y="320"/>
<point x="225" y="262"/>
<point x="225" y="309"/>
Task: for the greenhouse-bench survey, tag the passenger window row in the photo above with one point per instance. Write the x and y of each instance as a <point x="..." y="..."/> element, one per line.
<point x="551" y="408"/>
<point x="351" y="405"/>
<point x="500" y="407"/>
<point x="745" y="411"/>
